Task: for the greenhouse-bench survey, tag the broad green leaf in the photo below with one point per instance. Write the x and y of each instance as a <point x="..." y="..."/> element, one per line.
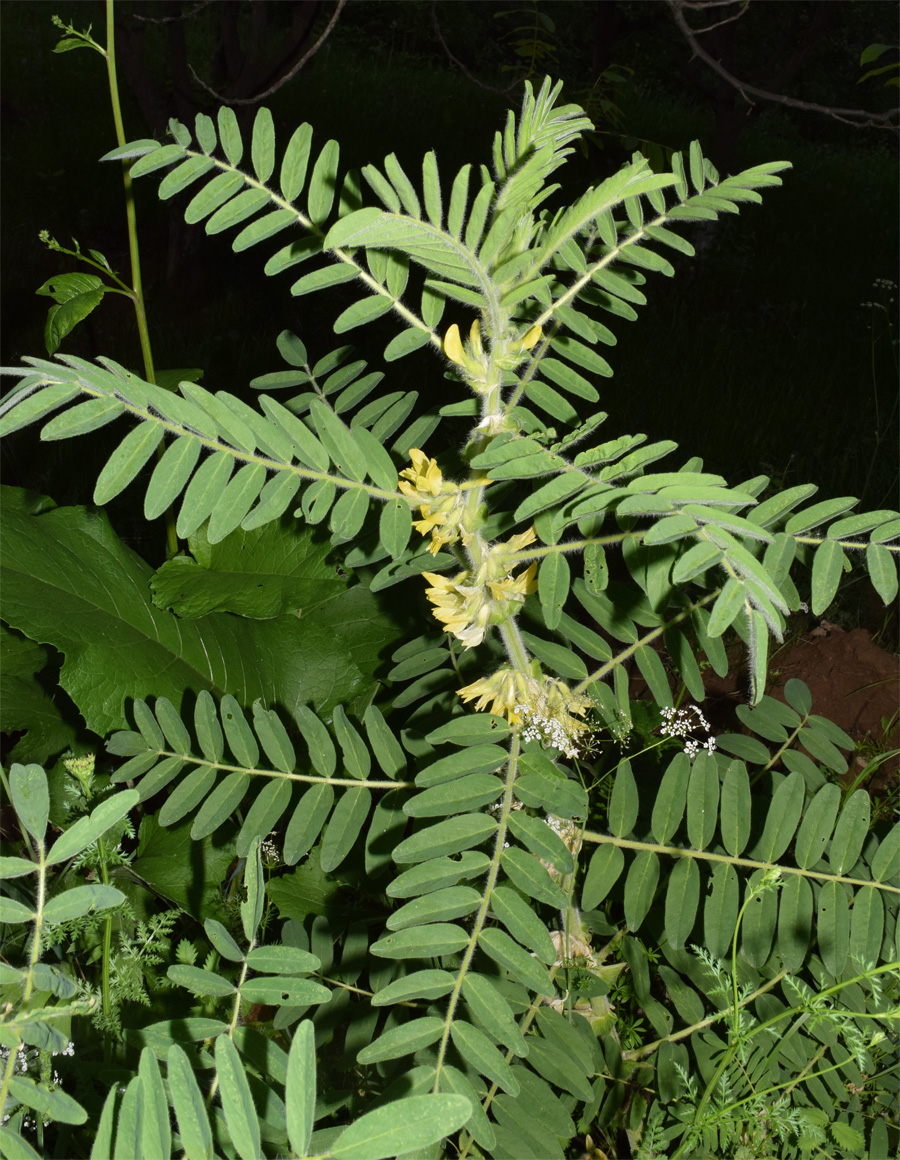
<point x="16" y="867"/>
<point x="190" y="1112"/>
<point x="385" y="746"/>
<point x="234" y="1090"/>
<point x="238" y="497"/>
<point x="264" y="813"/>
<point x="474" y="759"/>
<point x="220" y="805"/>
<point x="532" y="877"/>
<point x="640" y="887"/>
<point x="220" y="938"/>
<point x="338" y="441"/>
<point x="252" y="908"/>
<point x="828" y="567"/>
<point x="478" y="1051"/>
<point x="203" y="492"/>
<point x="366" y="310"/>
<point x="156" y="1135"/>
<point x="429" y="984"/>
<point x="883" y="571"/>
<point x="81" y="900"/>
<point x="182" y="176"/>
<point x="720" y="910"/>
<point x="542" y="840"/>
<point x="607" y="864"/>
<point x="274" y="738"/>
<point x="795" y="908"/>
<point x="833" y="926"/>
<point x="82" y="418"/>
<point x="88" y="829"/>
<point x="437" y="873"/>
<point x="462" y="795"/>
<point x="402" y="1126"/>
<point x="522" y="923"/>
<point x="553" y="587"/>
<point x="263" y="145"/>
<point x="815" y="829"/>
<point x="171" y="474"/>
<point x="343" y="830"/>
<point x="404" y="1040"/>
<point x="199" y="981"/>
<point x="702" y="801"/>
<point x="213" y="195"/>
<point x="421" y="942"/>
<point x="129" y="1129"/>
<point x="850" y="832"/>
<point x="887" y="857"/>
<point x="237" y="210"/>
<point x="554" y="1063"/>
<point x="284" y="990"/>
<point x="515" y="959"/>
<point x="126" y="461"/>
<point x="323" y="184"/>
<point x="300" y="1088"/>
<point x="470" y="729"/>
<point x="395" y="526"/>
<point x="30" y="798"/>
<point x="307" y="821"/>
<point x="623" y="802"/>
<point x="819" y="513"/>
<point x="187" y="794"/>
<point x="866" y="925"/>
<point x="781" y="819"/>
<point x="668" y="807"/>
<point x="493" y="1012"/>
<point x="682" y="899"/>
<point x="758" y="927"/>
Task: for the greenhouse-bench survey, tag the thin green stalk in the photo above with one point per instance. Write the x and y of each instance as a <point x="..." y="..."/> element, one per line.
<point x="133" y="247"/>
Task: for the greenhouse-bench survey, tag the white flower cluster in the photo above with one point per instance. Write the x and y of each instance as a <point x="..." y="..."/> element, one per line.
<point x="28" y="1057"/>
<point x="681" y="723"/>
<point x="548" y="730"/>
<point x="886" y="286"/>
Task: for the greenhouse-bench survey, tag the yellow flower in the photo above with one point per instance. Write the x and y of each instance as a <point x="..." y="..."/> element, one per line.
<point x="543" y="705"/>
<point x="441" y="503"/>
<point x="425" y="475"/>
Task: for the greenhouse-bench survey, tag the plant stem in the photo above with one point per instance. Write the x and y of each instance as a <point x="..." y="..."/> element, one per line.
<point x="137" y="289"/>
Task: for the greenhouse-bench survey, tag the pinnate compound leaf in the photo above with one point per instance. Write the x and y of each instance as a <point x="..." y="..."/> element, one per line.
<point x="402" y="1126"/>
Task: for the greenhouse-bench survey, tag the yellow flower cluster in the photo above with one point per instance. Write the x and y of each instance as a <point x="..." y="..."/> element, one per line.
<point x="543" y="705"/>
<point x="467" y="604"/>
<point x="441" y="503"/>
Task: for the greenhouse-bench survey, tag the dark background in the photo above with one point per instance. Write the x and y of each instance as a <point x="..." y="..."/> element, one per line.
<point x="759" y="355"/>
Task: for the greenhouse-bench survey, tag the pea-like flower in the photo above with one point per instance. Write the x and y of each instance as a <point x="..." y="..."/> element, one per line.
<point x="543" y="706"/>
<point x="441" y="503"/>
